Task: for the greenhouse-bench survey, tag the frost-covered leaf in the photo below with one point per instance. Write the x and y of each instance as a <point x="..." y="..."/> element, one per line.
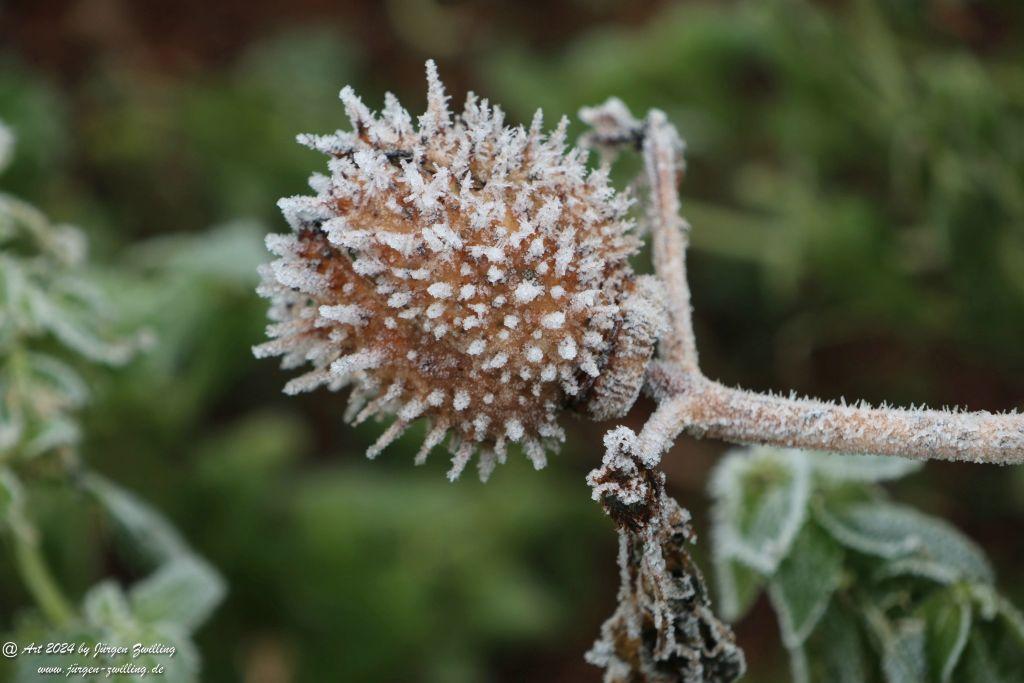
<point x="60" y="377"/>
<point x="105" y="604"/>
<point x="760" y="504"/>
<point x="861" y="468"/>
<point x="183" y="592"/>
<point x="738" y="588"/>
<point x="947" y="617"/>
<point x="903" y="659"/>
<point x="53" y="433"/>
<point x="107" y="618"/>
<point x="803" y="585"/>
<point x="841" y="646"/>
<point x="980" y="664"/>
<point x="149" y="531"/>
<point x="73" y="327"/>
<point x="912" y="542"/>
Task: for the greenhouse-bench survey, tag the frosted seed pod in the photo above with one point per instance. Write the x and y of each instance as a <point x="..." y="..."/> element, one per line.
<point x="440" y="269"/>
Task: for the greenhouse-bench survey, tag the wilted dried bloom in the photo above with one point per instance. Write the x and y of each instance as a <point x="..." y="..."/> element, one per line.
<point x="461" y="271"/>
<point x="663" y="630"/>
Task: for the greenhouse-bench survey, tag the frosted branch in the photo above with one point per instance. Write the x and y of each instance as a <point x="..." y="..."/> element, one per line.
<point x="692" y="403"/>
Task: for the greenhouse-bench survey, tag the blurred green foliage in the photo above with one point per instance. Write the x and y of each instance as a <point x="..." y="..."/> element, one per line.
<point x="864" y="589"/>
<point x="856" y="186"/>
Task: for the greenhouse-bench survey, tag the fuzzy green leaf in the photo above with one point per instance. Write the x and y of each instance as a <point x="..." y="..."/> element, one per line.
<point x="738" y="588"/>
<point x="861" y="468"/>
<point x="903" y="659"/>
<point x="183" y="592"/>
<point x="760" y="504"/>
<point x="803" y="585"/>
<point x="947" y="617"/>
<point x="913" y="543"/>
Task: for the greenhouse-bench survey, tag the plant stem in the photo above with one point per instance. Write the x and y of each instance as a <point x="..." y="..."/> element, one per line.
<point x="39" y="580"/>
<point x="693" y="403"/>
<point x="702" y="407"/>
<point x="669" y="233"/>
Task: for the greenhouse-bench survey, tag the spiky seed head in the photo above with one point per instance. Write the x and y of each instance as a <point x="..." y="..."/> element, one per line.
<point x="462" y="271"/>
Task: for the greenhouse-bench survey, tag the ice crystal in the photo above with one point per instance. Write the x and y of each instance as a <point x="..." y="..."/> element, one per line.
<point x="431" y="272"/>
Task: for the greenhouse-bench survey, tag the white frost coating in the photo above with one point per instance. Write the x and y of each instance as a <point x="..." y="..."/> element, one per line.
<point x="356" y="362"/>
<point x="557" y="292"/>
<point x="435" y="398"/>
<point x="497" y="361"/>
<point x="548" y="214"/>
<point x="466" y="292"/>
<point x="387" y="438"/>
<point x="476" y="347"/>
<point x="527" y="291"/>
<point x="514" y="430"/>
<point x="348" y="314"/>
<point x="461" y="400"/>
<point x="460" y="460"/>
<point x="435" y="310"/>
<point x="511" y="321"/>
<point x="495" y="274"/>
<point x="567" y="348"/>
<point x="549" y="373"/>
<point x="399" y="299"/>
<point x="553" y="321"/>
<point x="534" y="354"/>
<point x="565" y="253"/>
<point x="440" y="290"/>
<point x="585" y="299"/>
<point x="535" y="452"/>
<point x="492" y="254"/>
<point x="536" y="249"/>
<point x="402" y="242"/>
<point x="433" y="438"/>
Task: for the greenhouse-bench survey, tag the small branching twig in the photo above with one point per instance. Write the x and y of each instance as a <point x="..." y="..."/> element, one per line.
<point x="693" y="403"/>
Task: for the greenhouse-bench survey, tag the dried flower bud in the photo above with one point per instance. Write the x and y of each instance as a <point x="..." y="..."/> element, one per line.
<point x="663" y="630"/>
<point x="462" y="271"/>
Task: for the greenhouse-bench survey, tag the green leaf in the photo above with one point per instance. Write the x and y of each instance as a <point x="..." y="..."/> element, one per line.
<point x="903" y="659"/>
<point x="148" y="529"/>
<point x="106" y="605"/>
<point x="107" y="618"/>
<point x="913" y="543"/>
<point x="183" y="592"/>
<point x="761" y="499"/>
<point x="980" y="664"/>
<point x="738" y="588"/>
<point x="861" y="468"/>
<point x="947" y="617"/>
<point x="803" y="585"/>
<point x="840" y="645"/>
